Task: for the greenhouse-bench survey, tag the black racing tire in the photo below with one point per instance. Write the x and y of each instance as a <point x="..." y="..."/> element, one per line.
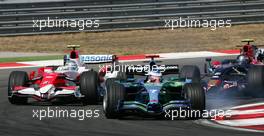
<point x="89" y="83"/>
<point x="255" y="80"/>
<point x="191" y="72"/>
<point x="121" y="75"/>
<point x="114" y="94"/>
<point x="17" y="78"/>
<point x="196" y="95"/>
<point x="110" y="81"/>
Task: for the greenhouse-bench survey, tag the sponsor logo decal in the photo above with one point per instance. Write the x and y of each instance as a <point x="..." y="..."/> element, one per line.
<point x="96" y="58"/>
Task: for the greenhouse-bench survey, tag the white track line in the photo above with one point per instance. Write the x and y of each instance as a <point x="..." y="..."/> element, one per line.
<point x="247" y="105"/>
<point x="184" y="55"/>
<point x="209" y="123"/>
<point x="17" y="67"/>
<point x="242" y="122"/>
<point x="239" y="112"/>
<point x="43" y="62"/>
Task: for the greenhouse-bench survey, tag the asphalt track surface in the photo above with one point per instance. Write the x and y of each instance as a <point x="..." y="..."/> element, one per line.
<point x="19" y="120"/>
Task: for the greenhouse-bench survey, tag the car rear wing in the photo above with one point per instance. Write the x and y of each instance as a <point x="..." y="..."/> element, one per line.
<point x="248" y="41"/>
<point x="144" y="69"/>
<point x="96" y="59"/>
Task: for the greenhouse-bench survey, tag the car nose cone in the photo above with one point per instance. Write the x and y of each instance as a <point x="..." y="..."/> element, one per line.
<point x="45" y="89"/>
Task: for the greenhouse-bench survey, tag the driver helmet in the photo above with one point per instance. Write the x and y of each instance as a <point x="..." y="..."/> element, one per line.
<point x="71" y="65"/>
<point x="242" y="60"/>
<point x="154" y="76"/>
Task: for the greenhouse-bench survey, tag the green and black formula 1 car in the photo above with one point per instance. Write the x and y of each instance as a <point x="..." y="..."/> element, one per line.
<point x="134" y="95"/>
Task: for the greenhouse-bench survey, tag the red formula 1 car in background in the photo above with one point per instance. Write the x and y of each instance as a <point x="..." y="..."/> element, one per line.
<point x="74" y="79"/>
<point x="254" y="54"/>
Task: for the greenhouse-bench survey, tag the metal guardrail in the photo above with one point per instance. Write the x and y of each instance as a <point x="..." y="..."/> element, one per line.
<point x="21" y="18"/>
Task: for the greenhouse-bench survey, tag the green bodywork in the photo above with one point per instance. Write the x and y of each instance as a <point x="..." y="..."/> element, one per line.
<point x="169" y="89"/>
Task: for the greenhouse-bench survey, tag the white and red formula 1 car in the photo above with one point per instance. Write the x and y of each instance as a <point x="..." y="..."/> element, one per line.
<point x="73" y="79"/>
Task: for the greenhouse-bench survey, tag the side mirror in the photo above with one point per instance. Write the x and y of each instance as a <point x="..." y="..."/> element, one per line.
<point x="208" y="59"/>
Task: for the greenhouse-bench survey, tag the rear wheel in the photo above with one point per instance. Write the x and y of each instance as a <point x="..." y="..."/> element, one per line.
<point x="255" y="81"/>
<point x="196" y="95"/>
<point x="89" y="87"/>
<point x="114" y="95"/>
<point x="191" y="72"/>
<point x="17" y="78"/>
<point x="121" y="75"/>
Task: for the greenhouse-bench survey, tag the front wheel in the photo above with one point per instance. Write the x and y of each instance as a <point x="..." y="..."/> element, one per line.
<point x="89" y="87"/>
<point x="17" y="78"/>
<point x="191" y="72"/>
<point x="196" y="95"/>
<point x="114" y="95"/>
